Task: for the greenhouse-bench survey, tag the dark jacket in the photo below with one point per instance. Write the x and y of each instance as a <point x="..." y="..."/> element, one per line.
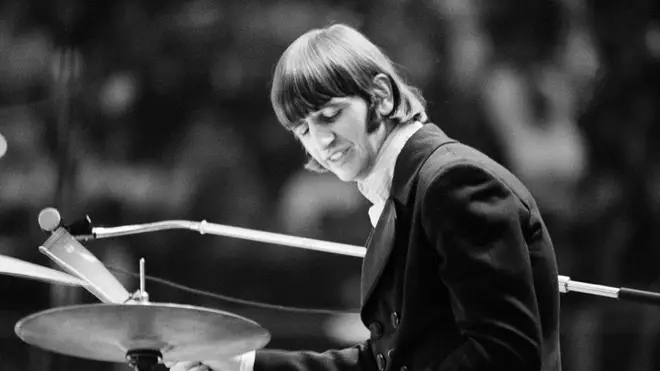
<point x="459" y="274"/>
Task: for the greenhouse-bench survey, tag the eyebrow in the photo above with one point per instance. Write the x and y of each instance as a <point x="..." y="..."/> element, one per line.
<point x="331" y="104"/>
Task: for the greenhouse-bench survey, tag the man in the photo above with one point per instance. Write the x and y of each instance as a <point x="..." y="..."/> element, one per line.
<point x="460" y="272"/>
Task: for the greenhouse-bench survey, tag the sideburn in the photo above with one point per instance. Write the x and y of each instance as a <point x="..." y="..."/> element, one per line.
<point x="374" y="119"/>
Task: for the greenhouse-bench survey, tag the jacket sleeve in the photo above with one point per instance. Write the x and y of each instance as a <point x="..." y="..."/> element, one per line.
<point x="357" y="358"/>
<point x="477" y="225"/>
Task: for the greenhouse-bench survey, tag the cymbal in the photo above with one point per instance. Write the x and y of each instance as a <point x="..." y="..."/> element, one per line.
<point x="107" y="332"/>
<point x="20" y="268"/>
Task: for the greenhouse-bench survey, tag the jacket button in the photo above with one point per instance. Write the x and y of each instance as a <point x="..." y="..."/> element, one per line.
<point x="380" y="361"/>
<point x="391" y="354"/>
<point x="376" y="330"/>
<point x="395" y="319"/>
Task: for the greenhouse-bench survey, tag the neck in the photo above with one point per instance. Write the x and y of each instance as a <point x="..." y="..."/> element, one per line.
<point x="380" y="135"/>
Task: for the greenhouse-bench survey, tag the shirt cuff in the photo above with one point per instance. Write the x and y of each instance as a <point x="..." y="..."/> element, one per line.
<point x="247" y="361"/>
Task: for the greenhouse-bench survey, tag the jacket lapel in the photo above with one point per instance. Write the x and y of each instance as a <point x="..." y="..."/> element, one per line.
<point x="382" y="238"/>
<point x="379" y="247"/>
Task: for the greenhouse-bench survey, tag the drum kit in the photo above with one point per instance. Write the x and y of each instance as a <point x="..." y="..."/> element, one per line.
<point x="129" y="328"/>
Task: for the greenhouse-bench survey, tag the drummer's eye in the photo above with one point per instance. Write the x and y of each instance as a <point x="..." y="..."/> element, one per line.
<point x="329" y="115"/>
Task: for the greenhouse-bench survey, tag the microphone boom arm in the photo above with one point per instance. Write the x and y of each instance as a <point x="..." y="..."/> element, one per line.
<point x="205" y="227"/>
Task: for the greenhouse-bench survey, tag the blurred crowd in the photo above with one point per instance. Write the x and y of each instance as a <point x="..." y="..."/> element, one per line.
<point x="141" y="111"/>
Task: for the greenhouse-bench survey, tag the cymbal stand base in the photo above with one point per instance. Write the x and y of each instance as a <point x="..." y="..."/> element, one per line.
<point x="144" y="359"/>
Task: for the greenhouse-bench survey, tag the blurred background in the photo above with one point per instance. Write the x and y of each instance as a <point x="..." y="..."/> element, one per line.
<point x="140" y="111"/>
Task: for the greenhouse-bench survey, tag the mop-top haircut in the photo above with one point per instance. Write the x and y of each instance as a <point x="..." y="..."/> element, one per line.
<point x="337" y="61"/>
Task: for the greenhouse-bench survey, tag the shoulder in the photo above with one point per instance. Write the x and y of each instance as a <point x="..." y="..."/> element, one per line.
<point x="458" y="174"/>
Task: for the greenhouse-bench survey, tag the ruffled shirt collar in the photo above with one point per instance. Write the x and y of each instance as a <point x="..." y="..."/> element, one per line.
<point x="376" y="186"/>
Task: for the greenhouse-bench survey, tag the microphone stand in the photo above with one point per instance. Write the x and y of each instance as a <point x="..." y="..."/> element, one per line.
<point x="565" y="283"/>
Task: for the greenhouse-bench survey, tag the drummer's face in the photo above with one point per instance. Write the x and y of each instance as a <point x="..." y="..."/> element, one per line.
<point x="336" y="137"/>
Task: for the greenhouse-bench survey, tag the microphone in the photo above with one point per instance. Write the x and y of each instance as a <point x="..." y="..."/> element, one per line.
<point x="49" y="219"/>
<point x="64" y="249"/>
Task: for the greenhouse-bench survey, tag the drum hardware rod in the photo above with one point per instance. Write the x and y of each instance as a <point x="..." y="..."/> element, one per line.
<point x="622" y="293"/>
<point x="144" y="296"/>
<point x="142" y="275"/>
<point x="140" y="296"/>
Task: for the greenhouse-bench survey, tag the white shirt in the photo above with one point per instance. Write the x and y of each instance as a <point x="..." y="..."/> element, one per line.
<point x="376" y="186"/>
